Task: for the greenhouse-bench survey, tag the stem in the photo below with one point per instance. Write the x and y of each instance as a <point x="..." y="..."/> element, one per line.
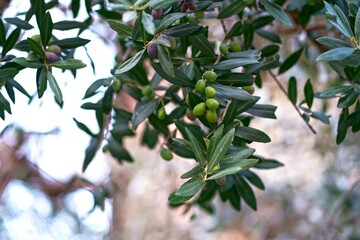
<point x="285" y="92"/>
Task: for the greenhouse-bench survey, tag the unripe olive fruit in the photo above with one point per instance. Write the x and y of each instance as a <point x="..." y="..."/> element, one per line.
<point x="152" y="51"/>
<point x="166" y="154"/>
<point x="146" y="90"/>
<point x="162" y="114"/>
<point x="235" y="47"/>
<point x="249" y="89"/>
<point x="210" y="92"/>
<point x="210" y="76"/>
<point x="211" y="116"/>
<point x="200" y="86"/>
<point x="199" y="109"/>
<point x="36" y="38"/>
<point x="248" y="2"/>
<point x="224" y="49"/>
<point x="187" y="100"/>
<point x="221" y="181"/>
<point x="157" y="13"/>
<point x="105" y="148"/>
<point x="51" y="57"/>
<point x="151" y="96"/>
<point x="212" y="104"/>
<point x="55" y="49"/>
<point x="190" y="115"/>
<point x="32" y="57"/>
<point x="116" y="85"/>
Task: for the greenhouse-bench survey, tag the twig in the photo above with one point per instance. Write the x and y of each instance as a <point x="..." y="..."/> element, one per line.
<point x="333" y="215"/>
<point x="285" y="92"/>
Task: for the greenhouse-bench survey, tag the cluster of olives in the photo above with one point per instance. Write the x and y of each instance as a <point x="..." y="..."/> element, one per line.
<point x="232" y="47"/>
<point x="210" y="106"/>
<point x="52" y="51"/>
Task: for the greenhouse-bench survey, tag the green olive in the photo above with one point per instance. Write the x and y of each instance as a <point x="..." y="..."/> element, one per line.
<point x="200" y="86"/>
<point x="211" y="116"/>
<point x="212" y="104"/>
<point x="187" y="100"/>
<point x="36" y="38"/>
<point x="235" y="47"/>
<point x="224" y="49"/>
<point x="162" y="114"/>
<point x="199" y="109"/>
<point x="210" y="92"/>
<point x="210" y="76"/>
<point x="116" y="85"/>
<point x="249" y="89"/>
<point x="146" y="91"/>
<point x="166" y="154"/>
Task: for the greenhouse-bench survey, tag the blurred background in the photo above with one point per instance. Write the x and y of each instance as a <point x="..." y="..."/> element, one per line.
<point x="44" y="194"/>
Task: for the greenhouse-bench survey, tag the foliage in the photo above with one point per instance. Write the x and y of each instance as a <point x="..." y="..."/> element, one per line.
<point x="209" y="88"/>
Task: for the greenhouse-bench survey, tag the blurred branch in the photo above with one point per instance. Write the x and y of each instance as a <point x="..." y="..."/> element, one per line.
<point x="330" y="224"/>
<point x="286" y="93"/>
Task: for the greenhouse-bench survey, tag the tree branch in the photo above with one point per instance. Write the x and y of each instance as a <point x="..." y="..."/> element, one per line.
<point x="296" y="108"/>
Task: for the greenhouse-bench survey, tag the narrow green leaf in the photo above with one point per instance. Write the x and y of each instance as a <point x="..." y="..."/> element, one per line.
<point x="290" y="61"/>
<point x="196" y="147"/>
<point x="10" y="41"/>
<point x="142" y="111"/>
<point x="193" y="172"/>
<point x="249" y="54"/>
<point x="215" y="139"/>
<point x="19" y="23"/>
<point x="147" y="21"/>
<point x="236" y="79"/>
<point x="268" y="164"/>
<point x="70" y="64"/>
<point x="334" y="91"/>
<point x="90" y="152"/>
<point x="233" y="8"/>
<point x="168" y="20"/>
<point x="343" y="22"/>
<point x="20" y="88"/>
<point x="175" y="200"/>
<point x="232" y="92"/>
<point x="246" y="193"/>
<point x="348" y="99"/>
<point x="35" y="47"/>
<point x="7" y="74"/>
<point x="352" y="119"/>
<point x="161" y="3"/>
<point x="277" y="12"/>
<point x="333" y="42"/>
<point x="190" y="188"/>
<point x="357" y="26"/>
<point x="121" y="29"/>
<point x="83" y="127"/>
<point x="46" y="28"/>
<point x="221" y="149"/>
<point x="321" y="116"/>
<point x="4" y="104"/>
<point x="309" y="93"/>
<point x="263" y="110"/>
<point x="70" y="43"/>
<point x="182" y="30"/>
<point x="130" y="63"/>
<point x="252" y="134"/>
<point x="179" y="79"/>
<point x="41" y="81"/>
<point x="234" y="168"/>
<point x="39" y="8"/>
<point x="202" y="43"/>
<point x="237" y="154"/>
<point x="254" y="179"/>
<point x="54" y="87"/>
<point x="22" y="62"/>
<point x="67" y="25"/>
<point x="2" y="33"/>
<point x="234" y="63"/>
<point x="75" y="7"/>
<point x="165" y="61"/>
<point x="292" y="90"/>
<point x="336" y="54"/>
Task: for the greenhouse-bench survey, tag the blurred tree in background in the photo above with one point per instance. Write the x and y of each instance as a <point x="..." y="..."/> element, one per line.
<point x="199" y="82"/>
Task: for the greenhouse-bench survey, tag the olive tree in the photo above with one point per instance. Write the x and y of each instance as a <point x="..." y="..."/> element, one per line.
<point x="193" y="88"/>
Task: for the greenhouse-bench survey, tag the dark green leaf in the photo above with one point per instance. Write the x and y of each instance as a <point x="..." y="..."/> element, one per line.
<point x="69" y="43"/>
<point x="309" y="93"/>
<point x="246" y="192"/>
<point x="83" y="127"/>
<point x="202" y="43"/>
<point x="196" y="147"/>
<point x="236" y="79"/>
<point x="235" y="30"/>
<point x="320" y="116"/>
<point x="236" y="107"/>
<point x="165" y="61"/>
<point x="290" y="61"/>
<point x="122" y="30"/>
<point x="276" y="11"/>
<point x="232" y="92"/>
<point x="46" y="28"/>
<point x="357" y="25"/>
<point x="71" y="64"/>
<point x="39" y="8"/>
<point x="269" y="50"/>
<point x="334" y="91"/>
<point x="268" y="35"/>
<point x="2" y="33"/>
<point x="252" y="134"/>
<point x="67" y="25"/>
<point x="175" y="200"/>
<point x="168" y="20"/>
<point x="249" y="54"/>
<point x="179" y="79"/>
<point x="4" y="104"/>
<point x="190" y="188"/>
<point x="254" y="179"/>
<point x="233" y="63"/>
<point x="41" y="81"/>
<point x="36" y="47"/>
<point x="54" y="87"/>
<point x="7" y="74"/>
<point x="215" y="139"/>
<point x="130" y="63"/>
<point x="352" y="119"/>
<point x="10" y="41"/>
<point x="268" y="164"/>
<point x="182" y="30"/>
<point x="348" y="100"/>
<point x="90" y="152"/>
<point x="333" y="42"/>
<point x="147" y="21"/>
<point x="19" y="23"/>
<point x="75" y="7"/>
<point x="233" y="8"/>
<point x="263" y="110"/>
<point x="233" y="168"/>
<point x="159" y="125"/>
<point x="193" y="172"/>
<point x="292" y="90"/>
<point x="20" y="88"/>
<point x="142" y="111"/>
<point x="95" y="86"/>
<point x="221" y="149"/>
<point x="150" y="137"/>
<point x="118" y="151"/>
